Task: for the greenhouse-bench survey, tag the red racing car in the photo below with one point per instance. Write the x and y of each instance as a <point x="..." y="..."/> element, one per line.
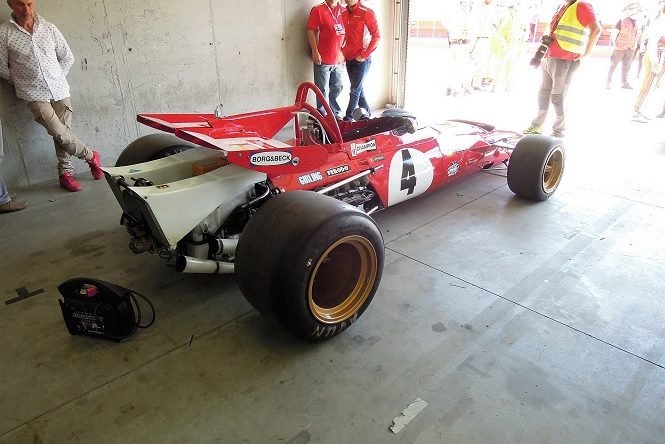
<point x="283" y="197"/>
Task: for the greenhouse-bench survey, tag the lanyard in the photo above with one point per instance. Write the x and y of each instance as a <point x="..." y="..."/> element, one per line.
<point x="332" y="14"/>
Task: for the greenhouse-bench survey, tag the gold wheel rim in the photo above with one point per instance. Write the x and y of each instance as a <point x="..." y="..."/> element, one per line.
<point x="342" y="279"/>
<point x="553" y="170"/>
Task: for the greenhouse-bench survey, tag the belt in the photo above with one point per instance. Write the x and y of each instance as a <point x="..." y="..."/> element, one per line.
<point x="458" y="41"/>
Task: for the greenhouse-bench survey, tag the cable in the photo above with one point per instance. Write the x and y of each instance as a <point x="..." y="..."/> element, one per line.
<point x="134" y="303"/>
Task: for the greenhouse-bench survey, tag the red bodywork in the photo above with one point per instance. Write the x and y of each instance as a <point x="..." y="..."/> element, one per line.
<point x="402" y="164"/>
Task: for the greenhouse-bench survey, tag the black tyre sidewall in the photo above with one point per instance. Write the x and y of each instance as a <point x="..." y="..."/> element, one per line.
<point x="295" y="271"/>
<point x="527" y="165"/>
<point x="277" y="253"/>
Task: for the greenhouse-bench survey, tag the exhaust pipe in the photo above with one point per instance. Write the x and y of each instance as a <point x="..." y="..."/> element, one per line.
<point x="188" y="264"/>
<point x="222" y="246"/>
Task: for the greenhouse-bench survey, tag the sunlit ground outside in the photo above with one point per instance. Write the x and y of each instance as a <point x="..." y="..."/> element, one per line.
<point x="605" y="150"/>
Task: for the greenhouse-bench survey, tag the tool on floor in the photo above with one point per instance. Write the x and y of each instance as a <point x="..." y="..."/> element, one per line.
<point x="100" y="309"/>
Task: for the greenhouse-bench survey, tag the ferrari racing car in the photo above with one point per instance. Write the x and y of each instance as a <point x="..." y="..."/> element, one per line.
<point x="283" y="197"/>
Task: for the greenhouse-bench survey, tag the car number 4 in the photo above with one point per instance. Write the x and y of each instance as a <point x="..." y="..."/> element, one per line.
<point x="411" y="174"/>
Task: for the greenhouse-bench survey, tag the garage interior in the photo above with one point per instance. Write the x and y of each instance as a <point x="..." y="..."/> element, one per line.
<point x="513" y="321"/>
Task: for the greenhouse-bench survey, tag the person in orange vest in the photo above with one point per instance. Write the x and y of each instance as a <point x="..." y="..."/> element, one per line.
<point x="574" y="32"/>
<point x="624" y="37"/>
<point x="362" y="38"/>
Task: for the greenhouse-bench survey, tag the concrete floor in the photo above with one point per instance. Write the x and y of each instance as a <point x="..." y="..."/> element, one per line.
<point x="515" y="321"/>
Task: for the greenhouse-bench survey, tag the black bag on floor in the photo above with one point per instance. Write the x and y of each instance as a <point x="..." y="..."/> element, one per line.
<point x="100" y="309"/>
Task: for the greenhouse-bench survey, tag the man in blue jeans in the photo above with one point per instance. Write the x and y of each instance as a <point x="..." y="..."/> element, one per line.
<point x="7" y="205"/>
<point x="325" y="33"/>
<point x="357" y="50"/>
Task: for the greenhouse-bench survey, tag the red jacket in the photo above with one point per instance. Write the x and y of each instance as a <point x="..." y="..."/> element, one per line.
<point x="356" y="23"/>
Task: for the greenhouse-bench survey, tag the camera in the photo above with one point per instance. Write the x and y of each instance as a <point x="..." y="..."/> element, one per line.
<point x="545" y="43"/>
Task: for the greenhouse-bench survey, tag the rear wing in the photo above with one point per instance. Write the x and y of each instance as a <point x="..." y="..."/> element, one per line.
<point x="248" y="140"/>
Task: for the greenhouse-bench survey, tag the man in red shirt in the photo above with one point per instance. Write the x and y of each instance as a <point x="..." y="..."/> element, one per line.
<point x="325" y="32"/>
<point x="362" y="38"/>
<point x="575" y="31"/>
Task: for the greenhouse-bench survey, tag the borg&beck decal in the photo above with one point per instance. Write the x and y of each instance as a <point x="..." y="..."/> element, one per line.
<point x="337" y="170"/>
<point x="358" y="148"/>
<point x="270" y="158"/>
<point x="310" y="178"/>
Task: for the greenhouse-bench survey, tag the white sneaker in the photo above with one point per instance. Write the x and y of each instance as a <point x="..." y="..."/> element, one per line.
<point x="639" y="117"/>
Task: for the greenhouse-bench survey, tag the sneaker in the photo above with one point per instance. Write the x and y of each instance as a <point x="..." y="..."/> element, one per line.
<point x="68" y="182"/>
<point x="558" y="134"/>
<point x="533" y="129"/>
<point x="626" y="85"/>
<point x="608" y="86"/>
<point x="639" y="117"/>
<point x="661" y="115"/>
<point x="13" y="205"/>
<point x="95" y="166"/>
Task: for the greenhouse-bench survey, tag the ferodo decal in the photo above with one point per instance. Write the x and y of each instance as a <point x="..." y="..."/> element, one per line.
<point x="270" y="158"/>
<point x="337" y="170"/>
<point x="310" y="178"/>
<point x="411" y="174"/>
<point x="453" y="169"/>
<point x="359" y="148"/>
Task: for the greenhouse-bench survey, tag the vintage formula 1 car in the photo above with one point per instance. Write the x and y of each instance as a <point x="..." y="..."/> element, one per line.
<point x="282" y="197"/>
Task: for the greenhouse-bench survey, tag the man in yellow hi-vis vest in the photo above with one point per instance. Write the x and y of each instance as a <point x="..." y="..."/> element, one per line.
<point x="575" y="31"/>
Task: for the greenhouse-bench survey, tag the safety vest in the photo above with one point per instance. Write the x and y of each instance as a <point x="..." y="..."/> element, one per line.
<point x="569" y="32"/>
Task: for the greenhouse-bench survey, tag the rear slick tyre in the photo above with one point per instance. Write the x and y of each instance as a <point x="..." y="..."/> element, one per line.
<point x="310" y="263"/>
<point x="151" y="147"/>
<point x="536" y="166"/>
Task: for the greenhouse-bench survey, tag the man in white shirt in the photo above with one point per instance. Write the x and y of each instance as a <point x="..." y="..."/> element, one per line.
<point x="35" y="57"/>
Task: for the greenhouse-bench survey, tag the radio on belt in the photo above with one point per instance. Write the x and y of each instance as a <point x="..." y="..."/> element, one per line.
<point x="97" y="308"/>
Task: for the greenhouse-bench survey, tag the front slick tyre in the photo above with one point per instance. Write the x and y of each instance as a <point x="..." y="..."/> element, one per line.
<point x="310" y="263"/>
<point x="536" y="166"/>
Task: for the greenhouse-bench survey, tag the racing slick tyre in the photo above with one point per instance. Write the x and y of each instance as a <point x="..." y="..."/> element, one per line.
<point x="310" y="263"/>
<point x="536" y="166"/>
<point x="151" y="147"/>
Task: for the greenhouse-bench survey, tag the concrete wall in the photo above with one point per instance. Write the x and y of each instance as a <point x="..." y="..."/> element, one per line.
<point x="170" y="56"/>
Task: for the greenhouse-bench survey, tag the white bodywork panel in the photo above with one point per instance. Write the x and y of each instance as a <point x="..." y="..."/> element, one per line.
<point x="179" y="201"/>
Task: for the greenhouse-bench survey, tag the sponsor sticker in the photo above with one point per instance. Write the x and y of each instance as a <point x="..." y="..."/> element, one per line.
<point x="358" y="148"/>
<point x="453" y="169"/>
<point x="378" y="158"/>
<point x="270" y="158"/>
<point x="310" y="178"/>
<point x="337" y="170"/>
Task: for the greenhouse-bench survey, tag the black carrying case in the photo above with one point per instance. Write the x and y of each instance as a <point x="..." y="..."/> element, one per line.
<point x="97" y="308"/>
